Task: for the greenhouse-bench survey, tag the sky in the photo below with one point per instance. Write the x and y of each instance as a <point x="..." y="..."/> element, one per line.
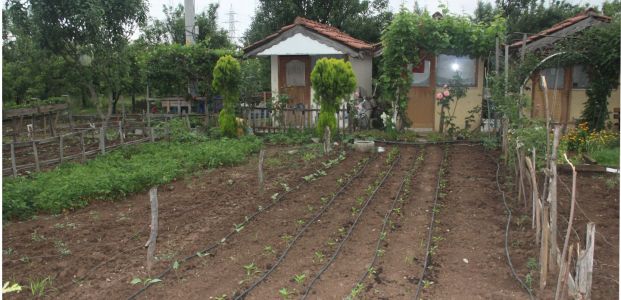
<point x="244" y="9"/>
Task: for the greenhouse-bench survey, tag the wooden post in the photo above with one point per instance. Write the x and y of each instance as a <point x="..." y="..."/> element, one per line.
<point x="544" y="250"/>
<point x="523" y="50"/>
<point x="44" y="125"/>
<point x="121" y="133"/>
<point x="153" y="237"/>
<point x="36" y="155"/>
<point x="536" y="203"/>
<point x="565" y="273"/>
<point x="584" y="264"/>
<point x="148" y="110"/>
<point x="261" y="158"/>
<point x="562" y="281"/>
<point x="152" y="134"/>
<point x="61" y="148"/>
<point x="552" y="196"/>
<point x="102" y="140"/>
<point x="82" y="147"/>
<point x="326" y="141"/>
<point x="544" y="84"/>
<point x="13" y="163"/>
<point x="71" y="126"/>
<point x="506" y="68"/>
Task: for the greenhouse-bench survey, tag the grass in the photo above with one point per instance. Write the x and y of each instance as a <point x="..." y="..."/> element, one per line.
<point x="117" y="174"/>
<point x="608" y="156"/>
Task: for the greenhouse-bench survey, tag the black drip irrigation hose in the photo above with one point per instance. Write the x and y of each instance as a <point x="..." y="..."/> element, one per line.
<point x="349" y="232"/>
<point x="431" y="225"/>
<point x="386" y="218"/>
<point x="244" y="293"/>
<point x="469" y="142"/>
<point x="205" y="251"/>
<point x="504" y="200"/>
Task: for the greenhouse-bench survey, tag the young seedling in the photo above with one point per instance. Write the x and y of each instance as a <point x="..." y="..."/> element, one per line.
<point x="310" y="208"/>
<point x="221" y="297"/>
<point x="397" y="210"/>
<point x="238" y="227"/>
<point x="355" y="291"/>
<point x="324" y="200"/>
<point x="286" y="187"/>
<point x="342" y="231"/>
<point x="37" y="287"/>
<point x="319" y="256"/>
<point x="285" y="293"/>
<point x="287" y="238"/>
<point x="268" y="250"/>
<point x="380" y="252"/>
<point x="331" y="242"/>
<point x="382" y="235"/>
<point x="146" y="281"/>
<point x="251" y="269"/>
<point x="372" y="271"/>
<point x="61" y="248"/>
<point x="427" y="284"/>
<point x="299" y="278"/>
<point x="354" y="211"/>
<point x="36" y="237"/>
<point x="299" y="222"/>
<point x="359" y="200"/>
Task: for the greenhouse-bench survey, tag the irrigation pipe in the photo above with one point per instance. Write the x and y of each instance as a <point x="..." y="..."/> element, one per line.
<point x="386" y="218"/>
<point x="430" y="231"/>
<point x="205" y="251"/>
<point x="349" y="232"/>
<point x="243" y="294"/>
<point x="504" y="200"/>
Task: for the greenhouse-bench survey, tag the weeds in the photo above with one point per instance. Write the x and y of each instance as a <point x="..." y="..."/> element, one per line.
<point x="36" y="237"/>
<point x="37" y="287"/>
<point x="61" y="248"/>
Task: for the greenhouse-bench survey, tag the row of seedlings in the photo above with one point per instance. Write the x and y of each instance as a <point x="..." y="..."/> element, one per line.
<point x="276" y="198"/>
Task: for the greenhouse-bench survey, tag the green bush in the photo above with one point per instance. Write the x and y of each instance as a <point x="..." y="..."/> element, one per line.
<point x="226" y="81"/>
<point x="117" y="174"/>
<point x="333" y="80"/>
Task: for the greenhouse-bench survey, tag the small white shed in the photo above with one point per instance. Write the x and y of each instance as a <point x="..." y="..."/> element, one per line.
<point x="295" y="48"/>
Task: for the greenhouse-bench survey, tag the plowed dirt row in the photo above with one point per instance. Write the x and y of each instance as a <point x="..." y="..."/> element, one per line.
<point x="470" y="261"/>
<point x="105" y="239"/>
<point x="356" y="255"/>
<point x="402" y="262"/>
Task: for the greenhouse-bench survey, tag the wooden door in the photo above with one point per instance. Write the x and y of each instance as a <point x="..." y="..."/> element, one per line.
<point x="421" y="103"/>
<point x="294" y="78"/>
<point x="558" y="97"/>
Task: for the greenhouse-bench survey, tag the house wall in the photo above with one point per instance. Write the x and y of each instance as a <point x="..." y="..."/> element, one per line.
<point x="578" y="98"/>
<point x="363" y="69"/>
<point x="474" y="97"/>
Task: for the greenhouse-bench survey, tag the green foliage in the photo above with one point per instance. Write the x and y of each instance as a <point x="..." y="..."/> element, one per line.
<point x="454" y="91"/>
<point x="289" y="137"/>
<point x="333" y="80"/>
<point x="255" y="78"/>
<point x="411" y="35"/>
<point x="117" y="174"/>
<point x="226" y="82"/>
<point x="607" y="156"/>
<point x="361" y="19"/>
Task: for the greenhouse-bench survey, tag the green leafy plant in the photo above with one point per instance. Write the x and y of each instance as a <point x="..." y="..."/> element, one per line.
<point x="269" y="250"/>
<point x="226" y="81"/>
<point x="10" y="288"/>
<point x="299" y="278"/>
<point x="61" y="248"/>
<point x="318" y="257"/>
<point x="145" y="281"/>
<point x="333" y="80"/>
<point x="285" y="293"/>
<point x="287" y="238"/>
<point x="37" y="287"/>
<point x="251" y="269"/>
<point x="356" y="291"/>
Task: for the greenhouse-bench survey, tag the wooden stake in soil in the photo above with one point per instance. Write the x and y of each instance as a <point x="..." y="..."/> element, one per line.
<point x="261" y="157"/>
<point x="552" y="196"/>
<point x="82" y="147"/>
<point x="562" y="280"/>
<point x="36" y="155"/>
<point x="13" y="163"/>
<point x="61" y="147"/>
<point x="102" y="140"/>
<point x="565" y="272"/>
<point x="326" y="141"/>
<point x="153" y="237"/>
<point x="584" y="264"/>
<point x="536" y="202"/>
<point x="544" y="253"/>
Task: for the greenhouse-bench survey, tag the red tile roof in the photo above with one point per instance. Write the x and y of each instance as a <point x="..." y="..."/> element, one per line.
<point x="590" y="12"/>
<point x="322" y="29"/>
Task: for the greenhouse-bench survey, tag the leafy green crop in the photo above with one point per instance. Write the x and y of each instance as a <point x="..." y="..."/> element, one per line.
<point x="117" y="174"/>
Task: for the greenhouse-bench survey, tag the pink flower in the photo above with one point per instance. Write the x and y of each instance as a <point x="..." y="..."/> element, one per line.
<point x="439" y="96"/>
<point x="446" y="86"/>
<point x="446" y="93"/>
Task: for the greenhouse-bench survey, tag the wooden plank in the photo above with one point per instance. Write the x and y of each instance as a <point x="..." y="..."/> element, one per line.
<point x="584" y="264"/>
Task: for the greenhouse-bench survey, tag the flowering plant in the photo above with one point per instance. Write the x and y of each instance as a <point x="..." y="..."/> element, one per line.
<point x="448" y="98"/>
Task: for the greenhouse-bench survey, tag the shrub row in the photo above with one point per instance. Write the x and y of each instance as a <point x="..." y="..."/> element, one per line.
<point x="117" y="174"/>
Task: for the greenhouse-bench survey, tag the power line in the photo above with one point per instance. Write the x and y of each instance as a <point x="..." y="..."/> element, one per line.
<point x="231" y="22"/>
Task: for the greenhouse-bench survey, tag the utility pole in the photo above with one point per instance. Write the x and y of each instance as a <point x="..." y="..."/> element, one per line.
<point x="190" y="29"/>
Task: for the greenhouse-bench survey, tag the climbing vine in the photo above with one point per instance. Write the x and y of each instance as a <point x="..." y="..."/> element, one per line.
<point x="411" y="35"/>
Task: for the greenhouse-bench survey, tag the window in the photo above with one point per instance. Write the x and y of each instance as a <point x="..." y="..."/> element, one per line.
<point x="579" y="77"/>
<point x="295" y="73"/>
<point x="421" y="73"/>
<point x="555" y="78"/>
<point x="448" y="66"/>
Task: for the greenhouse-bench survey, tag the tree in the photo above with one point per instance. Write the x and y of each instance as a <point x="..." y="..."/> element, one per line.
<point x="361" y="19"/>
<point x="96" y="30"/>
<point x="172" y="28"/>
<point x="533" y="16"/>
<point x="226" y="81"/>
<point x="333" y="80"/>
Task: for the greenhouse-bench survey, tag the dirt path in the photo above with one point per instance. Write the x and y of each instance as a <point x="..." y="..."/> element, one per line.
<point x="470" y="228"/>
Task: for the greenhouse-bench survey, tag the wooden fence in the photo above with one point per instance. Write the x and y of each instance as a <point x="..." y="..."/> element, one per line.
<point x="265" y="120"/>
